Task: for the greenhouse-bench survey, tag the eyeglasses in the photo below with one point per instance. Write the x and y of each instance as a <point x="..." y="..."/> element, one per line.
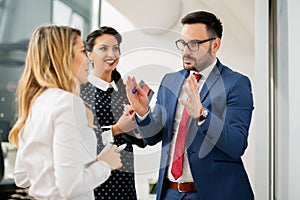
<point x="193" y="45"/>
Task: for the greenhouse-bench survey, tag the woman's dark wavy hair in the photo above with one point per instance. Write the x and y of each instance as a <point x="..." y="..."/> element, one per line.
<point x="89" y="45"/>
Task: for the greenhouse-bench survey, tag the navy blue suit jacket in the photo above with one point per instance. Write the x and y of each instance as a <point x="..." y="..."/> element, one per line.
<point x="215" y="147"/>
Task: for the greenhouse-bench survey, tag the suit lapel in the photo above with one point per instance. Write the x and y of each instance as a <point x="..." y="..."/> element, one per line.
<point x="211" y="80"/>
<point x="176" y="80"/>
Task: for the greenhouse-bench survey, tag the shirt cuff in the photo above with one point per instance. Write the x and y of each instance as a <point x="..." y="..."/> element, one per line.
<point x="107" y="136"/>
<point x="201" y="122"/>
<point x="141" y="118"/>
<point x="104" y="164"/>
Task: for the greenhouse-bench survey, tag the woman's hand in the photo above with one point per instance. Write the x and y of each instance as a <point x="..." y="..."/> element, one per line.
<point x="125" y="124"/>
<point x="111" y="157"/>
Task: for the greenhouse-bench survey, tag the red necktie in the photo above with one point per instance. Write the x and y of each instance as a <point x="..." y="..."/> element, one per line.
<point x="180" y="141"/>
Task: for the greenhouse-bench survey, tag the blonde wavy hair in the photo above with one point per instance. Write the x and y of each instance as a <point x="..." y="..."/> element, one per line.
<point x="48" y="64"/>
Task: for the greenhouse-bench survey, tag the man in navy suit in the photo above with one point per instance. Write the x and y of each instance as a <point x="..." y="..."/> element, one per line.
<point x="219" y="109"/>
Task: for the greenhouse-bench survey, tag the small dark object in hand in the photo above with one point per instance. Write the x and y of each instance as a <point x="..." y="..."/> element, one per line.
<point x="134" y="90"/>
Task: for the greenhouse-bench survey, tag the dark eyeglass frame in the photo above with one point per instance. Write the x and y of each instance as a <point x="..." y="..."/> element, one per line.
<point x="198" y="42"/>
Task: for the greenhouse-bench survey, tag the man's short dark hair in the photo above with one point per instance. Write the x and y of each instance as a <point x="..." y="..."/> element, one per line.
<point x="213" y="24"/>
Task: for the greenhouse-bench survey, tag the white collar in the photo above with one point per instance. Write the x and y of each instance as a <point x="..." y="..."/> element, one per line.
<point x="101" y="84"/>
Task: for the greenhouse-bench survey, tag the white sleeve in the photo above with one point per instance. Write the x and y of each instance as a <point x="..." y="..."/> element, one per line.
<point x="107" y="136"/>
<point x="141" y="118"/>
<point x="20" y="176"/>
<point x="76" y="169"/>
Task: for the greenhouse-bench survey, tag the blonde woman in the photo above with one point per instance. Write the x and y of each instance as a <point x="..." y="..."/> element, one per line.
<point x="56" y="155"/>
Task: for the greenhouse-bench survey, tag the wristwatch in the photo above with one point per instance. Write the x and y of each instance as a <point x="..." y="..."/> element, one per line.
<point x="203" y="114"/>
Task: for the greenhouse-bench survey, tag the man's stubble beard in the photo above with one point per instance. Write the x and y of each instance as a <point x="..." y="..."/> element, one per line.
<point x="207" y="61"/>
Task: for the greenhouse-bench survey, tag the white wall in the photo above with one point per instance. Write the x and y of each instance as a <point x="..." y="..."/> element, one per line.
<point x="282" y="143"/>
<point x="286" y="102"/>
<point x="260" y="124"/>
<point x="294" y="98"/>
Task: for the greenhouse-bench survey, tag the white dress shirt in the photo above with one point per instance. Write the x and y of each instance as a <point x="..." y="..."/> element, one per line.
<point x="186" y="171"/>
<point x="56" y="157"/>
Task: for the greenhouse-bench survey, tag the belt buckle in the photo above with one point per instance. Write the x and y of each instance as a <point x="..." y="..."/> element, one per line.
<point x="178" y="186"/>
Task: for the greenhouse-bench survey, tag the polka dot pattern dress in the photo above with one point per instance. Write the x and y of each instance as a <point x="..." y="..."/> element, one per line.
<point x="107" y="107"/>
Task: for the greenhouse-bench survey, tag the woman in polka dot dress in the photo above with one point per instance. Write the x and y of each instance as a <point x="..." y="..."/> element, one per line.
<point x="105" y="95"/>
